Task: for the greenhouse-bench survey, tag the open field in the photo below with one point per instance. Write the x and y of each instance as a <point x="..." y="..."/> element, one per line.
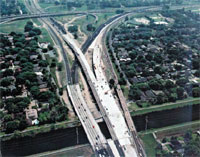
<point x="79" y="150"/>
<point x="166" y="106"/>
<point x="17" y="26"/>
<point x="174" y="129"/>
<point x="149" y="144"/>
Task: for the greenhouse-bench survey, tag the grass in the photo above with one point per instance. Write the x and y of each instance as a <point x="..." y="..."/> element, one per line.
<point x="174" y="129"/>
<point x="45" y="5"/>
<point x="64" y="19"/>
<point x="52" y="69"/>
<point x="45" y="37"/>
<point x="166" y="106"/>
<point x="17" y="26"/>
<point x="133" y="106"/>
<point x="79" y="150"/>
<point x="149" y="144"/>
<point x="36" y="21"/>
<point x="32" y="131"/>
<point x="125" y="91"/>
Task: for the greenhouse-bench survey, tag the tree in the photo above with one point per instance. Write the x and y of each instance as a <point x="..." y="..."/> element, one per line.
<point x="28" y="28"/>
<point x="8" y="72"/>
<point x="35" y="91"/>
<point x="44" y="50"/>
<point x="172" y="97"/>
<point x="50" y="47"/>
<point x="119" y="11"/>
<point x="8" y="117"/>
<point x="32" y="33"/>
<point x="57" y="3"/>
<point x="90" y="27"/>
<point x="169" y="84"/>
<point x="180" y="92"/>
<point x="75" y="36"/>
<point x="159" y="70"/>
<point x="73" y="29"/>
<point x="6" y="82"/>
<point x="155" y="84"/>
<point x="161" y="98"/>
<point x="12" y="126"/>
<point x="43" y="63"/>
<point x="197" y="73"/>
<point x="60" y="65"/>
<point x="122" y="81"/>
<point x="196" y="92"/>
<point x="134" y="93"/>
<point x="181" y="82"/>
<point x="44" y="96"/>
<point x="37" y="31"/>
<point x="192" y="148"/>
<point x="112" y="83"/>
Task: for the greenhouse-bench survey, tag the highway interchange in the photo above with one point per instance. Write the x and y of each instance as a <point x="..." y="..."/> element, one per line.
<point x="124" y="140"/>
<point x="122" y="143"/>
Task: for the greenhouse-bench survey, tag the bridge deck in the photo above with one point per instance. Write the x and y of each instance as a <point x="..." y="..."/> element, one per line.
<point x="110" y="110"/>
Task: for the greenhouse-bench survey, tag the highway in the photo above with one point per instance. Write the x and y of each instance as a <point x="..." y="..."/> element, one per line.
<point x="94" y="134"/>
<point x="100" y="145"/>
<point x="96" y="46"/>
<point x="106" y="102"/>
<point x="43" y="15"/>
<point x="121" y="143"/>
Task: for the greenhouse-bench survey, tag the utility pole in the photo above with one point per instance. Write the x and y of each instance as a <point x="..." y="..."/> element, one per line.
<point x="77" y="135"/>
<point x="146" y="122"/>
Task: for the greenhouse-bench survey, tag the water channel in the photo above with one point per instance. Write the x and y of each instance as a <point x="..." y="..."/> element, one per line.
<point x="68" y="137"/>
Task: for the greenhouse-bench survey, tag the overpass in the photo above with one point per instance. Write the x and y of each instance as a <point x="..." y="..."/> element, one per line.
<point x="43" y="15"/>
<point x="108" y="107"/>
<point x="100" y="145"/>
<point x="97" y="140"/>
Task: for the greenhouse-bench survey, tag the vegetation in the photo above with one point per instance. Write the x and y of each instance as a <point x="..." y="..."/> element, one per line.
<point x="184" y="145"/>
<point x="149" y="144"/>
<point x="12" y="7"/>
<point x="92" y="5"/>
<point x="26" y="87"/>
<point x="160" y="58"/>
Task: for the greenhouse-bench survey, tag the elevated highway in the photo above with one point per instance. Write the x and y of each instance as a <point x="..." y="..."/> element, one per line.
<point x="100" y="145"/>
<point x="106" y="102"/>
<point x="94" y="134"/>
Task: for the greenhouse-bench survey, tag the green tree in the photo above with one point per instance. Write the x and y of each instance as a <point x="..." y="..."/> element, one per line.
<point x="73" y="29"/>
<point x="180" y="92"/>
<point x="11" y="126"/>
<point x="196" y="92"/>
<point x="35" y="91"/>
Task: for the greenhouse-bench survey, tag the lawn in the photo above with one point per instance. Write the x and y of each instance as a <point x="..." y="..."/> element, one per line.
<point x="173" y="129"/>
<point x="45" y="37"/>
<point x="125" y="91"/>
<point x="166" y="106"/>
<point x="45" y="5"/>
<point x="17" y="26"/>
<point x="149" y="144"/>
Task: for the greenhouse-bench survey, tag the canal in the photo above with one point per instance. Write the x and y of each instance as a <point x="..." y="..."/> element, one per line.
<point x="68" y="137"/>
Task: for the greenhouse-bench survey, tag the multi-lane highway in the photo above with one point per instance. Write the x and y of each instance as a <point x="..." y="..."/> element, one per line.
<point x="100" y="145"/>
<point x="106" y="102"/>
<point x="94" y="134"/>
<point x="121" y="144"/>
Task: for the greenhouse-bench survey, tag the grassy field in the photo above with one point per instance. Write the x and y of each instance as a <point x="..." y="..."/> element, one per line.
<point x="174" y="129"/>
<point x="149" y="144"/>
<point x="83" y="21"/>
<point x="45" y="37"/>
<point x="79" y="150"/>
<point x="166" y="106"/>
<point x="17" y="26"/>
